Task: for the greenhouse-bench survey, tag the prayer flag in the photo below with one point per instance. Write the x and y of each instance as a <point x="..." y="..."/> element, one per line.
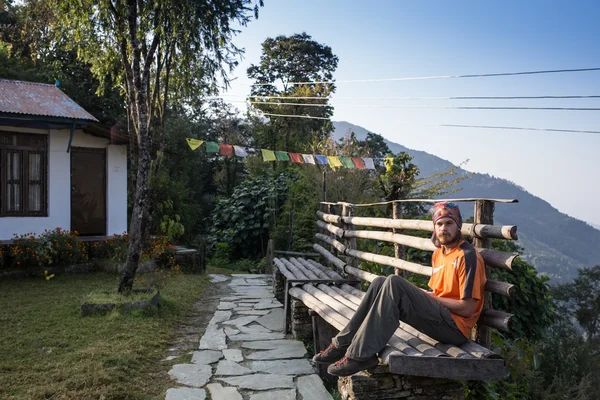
<point x="282" y="156"/>
<point x="334" y="161"/>
<point x="225" y="149"/>
<point x="296" y="158"/>
<point x="321" y="159"/>
<point x="347" y="162"/>
<point x="369" y="163"/>
<point x="358" y="162"/>
<point x="240" y="151"/>
<point x="194" y="143"/>
<point x="268" y="155"/>
<point x="212" y="147"/>
<point x="308" y="159"/>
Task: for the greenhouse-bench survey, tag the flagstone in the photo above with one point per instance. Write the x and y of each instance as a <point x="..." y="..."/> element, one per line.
<point x="191" y="374"/>
<point x="265" y="306"/>
<point x="227" y="367"/>
<point x="240" y="309"/>
<point x="233" y="355"/>
<point x="275" y="395"/>
<point x="311" y="387"/>
<point x="206" y="356"/>
<point x="217" y="278"/>
<point x="253" y="312"/>
<point x="260" y="381"/>
<point x="251" y="276"/>
<point x="229" y="331"/>
<point x="220" y="316"/>
<point x="284" y="367"/>
<point x="183" y="393"/>
<point x="254" y="329"/>
<point x="241" y="321"/>
<point x="218" y="392"/>
<point x="273" y="344"/>
<point x="273" y="320"/>
<point x="257" y="336"/>
<point x="213" y="339"/>
<point x="225" y="305"/>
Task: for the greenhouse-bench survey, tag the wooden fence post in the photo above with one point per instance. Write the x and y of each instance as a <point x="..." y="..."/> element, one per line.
<point x="484" y="214"/>
<point x="348" y="211"/>
<point x="399" y="250"/>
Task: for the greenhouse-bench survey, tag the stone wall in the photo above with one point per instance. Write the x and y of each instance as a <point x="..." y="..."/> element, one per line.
<point x="301" y="321"/>
<point x="278" y="285"/>
<point x="380" y="385"/>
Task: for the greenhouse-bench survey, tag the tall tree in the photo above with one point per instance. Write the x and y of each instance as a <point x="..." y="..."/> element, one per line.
<point x="285" y="61"/>
<point x="154" y="46"/>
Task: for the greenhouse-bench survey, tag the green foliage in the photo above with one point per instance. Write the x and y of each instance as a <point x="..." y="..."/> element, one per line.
<point x="532" y="304"/>
<point x="57" y="247"/>
<point x="245" y="219"/>
<point x="295" y="58"/>
<point x="221" y="257"/>
<point x="581" y="298"/>
<point x="113" y="249"/>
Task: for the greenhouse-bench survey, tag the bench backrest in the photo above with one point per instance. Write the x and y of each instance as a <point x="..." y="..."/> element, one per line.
<point x="341" y="232"/>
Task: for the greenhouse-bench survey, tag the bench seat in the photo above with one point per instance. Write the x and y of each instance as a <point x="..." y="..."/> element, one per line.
<point x="409" y="352"/>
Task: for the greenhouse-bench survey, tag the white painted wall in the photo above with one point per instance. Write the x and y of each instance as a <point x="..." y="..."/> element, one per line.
<point x="116" y="192"/>
<point x="59" y="185"/>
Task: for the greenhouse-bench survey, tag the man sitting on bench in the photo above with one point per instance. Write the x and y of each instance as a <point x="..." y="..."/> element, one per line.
<point x="446" y="314"/>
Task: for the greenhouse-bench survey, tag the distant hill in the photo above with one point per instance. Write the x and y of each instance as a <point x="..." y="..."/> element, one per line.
<point x="555" y="243"/>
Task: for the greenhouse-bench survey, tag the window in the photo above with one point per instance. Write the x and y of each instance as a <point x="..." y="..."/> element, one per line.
<point x="23" y="174"/>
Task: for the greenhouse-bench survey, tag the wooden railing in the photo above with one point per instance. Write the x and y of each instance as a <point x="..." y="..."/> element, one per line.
<point x="339" y="232"/>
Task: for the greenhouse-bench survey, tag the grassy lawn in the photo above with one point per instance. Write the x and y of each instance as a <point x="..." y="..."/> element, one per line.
<point x="48" y="351"/>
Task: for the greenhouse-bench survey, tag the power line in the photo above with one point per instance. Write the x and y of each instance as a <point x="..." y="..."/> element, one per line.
<point x="435" y="107"/>
<point x="554" y="71"/>
<point x="427" y="98"/>
<point x="455" y="125"/>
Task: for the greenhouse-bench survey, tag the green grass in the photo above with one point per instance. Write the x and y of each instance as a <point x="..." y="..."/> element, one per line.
<point x="48" y="351"/>
<point x="114" y="297"/>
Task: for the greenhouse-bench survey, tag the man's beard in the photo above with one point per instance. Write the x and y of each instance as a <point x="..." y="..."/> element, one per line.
<point x="449" y="238"/>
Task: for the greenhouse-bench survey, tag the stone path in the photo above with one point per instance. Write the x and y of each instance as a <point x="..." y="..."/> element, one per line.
<point x="244" y="354"/>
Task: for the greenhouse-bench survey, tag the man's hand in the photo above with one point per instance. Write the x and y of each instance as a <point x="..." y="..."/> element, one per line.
<point x="464" y="308"/>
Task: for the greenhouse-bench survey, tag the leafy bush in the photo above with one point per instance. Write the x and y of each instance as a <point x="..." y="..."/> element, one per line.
<point x="221" y="256"/>
<point x="56" y="247"/>
<point x="113" y="249"/>
<point x="243" y="221"/>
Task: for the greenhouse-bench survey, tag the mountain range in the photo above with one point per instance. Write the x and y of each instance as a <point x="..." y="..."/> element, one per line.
<point x="554" y="242"/>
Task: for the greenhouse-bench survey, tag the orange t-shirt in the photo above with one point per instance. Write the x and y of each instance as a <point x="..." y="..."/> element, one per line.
<point x="459" y="275"/>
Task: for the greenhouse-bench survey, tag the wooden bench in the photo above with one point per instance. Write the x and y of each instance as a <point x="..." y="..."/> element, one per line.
<point x="332" y="294"/>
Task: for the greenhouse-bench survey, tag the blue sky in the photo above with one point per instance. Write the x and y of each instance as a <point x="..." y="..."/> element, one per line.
<point x="391" y="39"/>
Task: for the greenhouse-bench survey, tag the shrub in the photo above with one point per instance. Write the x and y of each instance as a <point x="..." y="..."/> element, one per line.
<point x="29" y="251"/>
<point x="221" y="256"/>
<point x="53" y="247"/>
<point x="67" y="248"/>
<point x="112" y="249"/>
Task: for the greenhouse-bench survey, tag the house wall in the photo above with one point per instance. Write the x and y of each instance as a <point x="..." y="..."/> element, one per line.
<point x="59" y="184"/>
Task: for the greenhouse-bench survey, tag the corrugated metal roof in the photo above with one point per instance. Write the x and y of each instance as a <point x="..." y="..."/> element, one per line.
<point x="39" y="99"/>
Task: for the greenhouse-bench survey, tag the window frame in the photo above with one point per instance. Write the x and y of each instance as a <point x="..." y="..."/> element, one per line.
<point x="25" y="150"/>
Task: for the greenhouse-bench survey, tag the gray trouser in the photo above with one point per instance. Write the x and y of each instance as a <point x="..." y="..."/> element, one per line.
<point x="388" y="301"/>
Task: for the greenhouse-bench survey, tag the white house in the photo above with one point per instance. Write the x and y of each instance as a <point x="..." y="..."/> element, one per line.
<point x="58" y="166"/>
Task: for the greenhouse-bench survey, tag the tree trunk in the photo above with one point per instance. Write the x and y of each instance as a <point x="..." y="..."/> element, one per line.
<point x="138" y="216"/>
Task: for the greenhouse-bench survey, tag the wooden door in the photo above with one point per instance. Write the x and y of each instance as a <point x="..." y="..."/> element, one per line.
<point x="88" y="191"/>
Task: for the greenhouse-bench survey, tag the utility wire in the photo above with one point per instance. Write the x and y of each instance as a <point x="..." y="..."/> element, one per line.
<point x="554" y="71"/>
<point x="454" y="125"/>
<point x="435" y="107"/>
<point x="427" y="98"/>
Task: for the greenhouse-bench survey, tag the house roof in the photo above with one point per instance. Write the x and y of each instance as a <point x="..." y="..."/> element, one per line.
<point x="39" y="99"/>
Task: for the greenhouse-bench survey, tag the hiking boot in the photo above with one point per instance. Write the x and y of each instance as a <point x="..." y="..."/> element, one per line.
<point x="347" y="366"/>
<point x="330" y="355"/>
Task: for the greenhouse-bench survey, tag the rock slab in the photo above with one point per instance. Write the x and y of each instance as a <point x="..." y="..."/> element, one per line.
<point x="191" y="374"/>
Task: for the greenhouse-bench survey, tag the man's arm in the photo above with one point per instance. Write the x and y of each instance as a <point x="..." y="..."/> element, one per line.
<point x="464" y="308"/>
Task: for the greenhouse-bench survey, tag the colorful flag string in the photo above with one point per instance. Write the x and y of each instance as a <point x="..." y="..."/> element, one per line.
<point x="228" y="150"/>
